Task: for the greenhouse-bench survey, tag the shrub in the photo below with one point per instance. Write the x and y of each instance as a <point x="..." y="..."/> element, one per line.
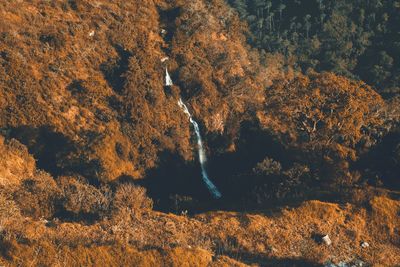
<point x="131" y="198"/>
<point x="81" y="198"/>
<point x="38" y="196"/>
<point x="272" y="182"/>
<point x="15" y="163"/>
<point x="8" y="209"/>
<point x="267" y="167"/>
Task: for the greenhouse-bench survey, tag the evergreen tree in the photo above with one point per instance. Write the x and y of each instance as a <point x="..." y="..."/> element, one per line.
<point x="356" y="38"/>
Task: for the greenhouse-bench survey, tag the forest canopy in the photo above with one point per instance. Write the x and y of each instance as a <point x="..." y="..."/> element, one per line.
<point x="359" y="39"/>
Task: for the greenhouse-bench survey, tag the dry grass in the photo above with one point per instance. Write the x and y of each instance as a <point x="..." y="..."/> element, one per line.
<point x="291" y="235"/>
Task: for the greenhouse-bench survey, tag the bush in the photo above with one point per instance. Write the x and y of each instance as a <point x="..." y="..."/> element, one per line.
<point x="267" y="167"/>
<point x="38" y="196"/>
<point x="15" y="163"/>
<point x="131" y="198"/>
<point x="8" y="209"/>
<point x="81" y="198"/>
<point x="272" y="182"/>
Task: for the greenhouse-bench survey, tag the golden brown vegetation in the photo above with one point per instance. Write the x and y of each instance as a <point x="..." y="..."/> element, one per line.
<point x="82" y="104"/>
<point x="326" y="117"/>
<point x="80" y="70"/>
<point x="323" y="112"/>
<point x="16" y="164"/>
<point x="122" y="229"/>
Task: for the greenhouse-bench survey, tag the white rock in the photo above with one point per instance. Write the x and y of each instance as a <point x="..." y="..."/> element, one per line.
<point x="91" y="34"/>
<point x="327" y="240"/>
<point x="364" y="245"/>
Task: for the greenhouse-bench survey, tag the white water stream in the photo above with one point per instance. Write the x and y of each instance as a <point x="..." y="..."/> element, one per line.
<point x="202" y="154"/>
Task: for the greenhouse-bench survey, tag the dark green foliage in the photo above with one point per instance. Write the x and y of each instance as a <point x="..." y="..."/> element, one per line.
<point x="272" y="182"/>
<point x="267" y="167"/>
<point x="356" y="38"/>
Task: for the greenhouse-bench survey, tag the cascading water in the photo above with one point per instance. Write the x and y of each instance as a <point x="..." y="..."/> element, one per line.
<point x="202" y="155"/>
<point x="168" y="80"/>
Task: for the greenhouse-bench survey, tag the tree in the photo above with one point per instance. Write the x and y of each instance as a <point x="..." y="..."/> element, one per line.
<point x="281" y="7"/>
<point x="307" y="24"/>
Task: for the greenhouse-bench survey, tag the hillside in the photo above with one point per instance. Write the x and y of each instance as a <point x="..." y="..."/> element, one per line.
<point x="101" y="165"/>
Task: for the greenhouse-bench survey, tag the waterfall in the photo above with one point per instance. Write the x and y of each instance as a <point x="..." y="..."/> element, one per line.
<point x="202" y="155"/>
<point x="168" y="80"/>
